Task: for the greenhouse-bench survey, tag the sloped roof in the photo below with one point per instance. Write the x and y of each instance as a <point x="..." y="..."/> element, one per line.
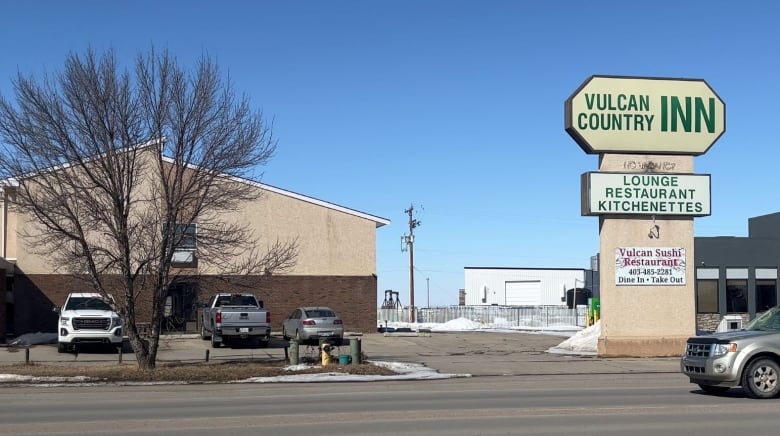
<point x="379" y="221"/>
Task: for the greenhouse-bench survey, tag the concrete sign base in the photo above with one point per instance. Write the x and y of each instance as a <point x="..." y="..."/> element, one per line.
<point x="646" y="269"/>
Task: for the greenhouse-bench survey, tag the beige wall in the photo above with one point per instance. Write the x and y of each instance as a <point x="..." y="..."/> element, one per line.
<point x="645" y="320"/>
<point x="332" y="242"/>
<point x="8" y="237"/>
<point x="336" y="262"/>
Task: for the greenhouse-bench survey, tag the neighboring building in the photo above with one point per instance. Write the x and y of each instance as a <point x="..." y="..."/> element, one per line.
<point x="525" y="286"/>
<point x="736" y="277"/>
<point x="336" y="266"/>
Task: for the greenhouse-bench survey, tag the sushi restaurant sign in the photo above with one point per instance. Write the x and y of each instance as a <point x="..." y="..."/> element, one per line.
<point x="649" y="266"/>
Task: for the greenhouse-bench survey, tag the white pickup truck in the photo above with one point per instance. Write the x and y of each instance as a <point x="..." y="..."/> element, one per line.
<point x="87" y="318"/>
<point x="229" y="317"/>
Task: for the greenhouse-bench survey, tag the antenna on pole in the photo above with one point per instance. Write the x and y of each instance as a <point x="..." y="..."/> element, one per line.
<point x="407" y="243"/>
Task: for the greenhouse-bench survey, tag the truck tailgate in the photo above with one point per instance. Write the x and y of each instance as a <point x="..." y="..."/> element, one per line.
<point x="243" y="318"/>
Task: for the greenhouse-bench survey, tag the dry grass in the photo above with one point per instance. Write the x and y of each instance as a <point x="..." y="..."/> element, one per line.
<point x="187" y="372"/>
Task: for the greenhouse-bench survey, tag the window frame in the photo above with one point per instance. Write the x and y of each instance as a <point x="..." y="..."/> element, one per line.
<point x="732" y="283"/>
<point x="715" y="295"/>
<point x="760" y="283"/>
<point x="186" y="236"/>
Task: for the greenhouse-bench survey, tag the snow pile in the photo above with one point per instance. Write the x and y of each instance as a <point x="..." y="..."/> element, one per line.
<point x="583" y="342"/>
<point x="6" y="378"/>
<point x="502" y="323"/>
<point x="34" y="339"/>
<point x="460" y="324"/>
<point x="404" y="371"/>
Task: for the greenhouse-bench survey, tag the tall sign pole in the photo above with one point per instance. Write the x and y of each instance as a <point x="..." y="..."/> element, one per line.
<point x="646" y="131"/>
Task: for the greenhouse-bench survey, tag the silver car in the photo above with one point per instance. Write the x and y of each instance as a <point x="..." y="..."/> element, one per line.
<point x="313" y="323"/>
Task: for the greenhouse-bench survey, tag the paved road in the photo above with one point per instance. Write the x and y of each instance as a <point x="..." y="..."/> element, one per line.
<point x="517" y="388"/>
<point x="636" y="404"/>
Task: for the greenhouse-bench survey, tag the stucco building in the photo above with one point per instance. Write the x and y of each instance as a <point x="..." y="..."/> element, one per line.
<point x="486" y="286"/>
<point x="335" y="266"/>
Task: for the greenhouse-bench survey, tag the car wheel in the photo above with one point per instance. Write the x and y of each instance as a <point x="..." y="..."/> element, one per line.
<point x="284" y="335"/>
<point x="203" y="334"/>
<point x="298" y="336"/>
<point x="714" y="389"/>
<point x="263" y="343"/>
<point x="760" y="379"/>
<point x="62" y="348"/>
<point x="214" y="344"/>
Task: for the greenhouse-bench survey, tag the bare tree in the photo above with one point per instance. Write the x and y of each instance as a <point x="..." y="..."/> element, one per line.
<point x="113" y="166"/>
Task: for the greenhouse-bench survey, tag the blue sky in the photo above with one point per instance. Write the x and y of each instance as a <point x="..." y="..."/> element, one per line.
<point x="453" y="106"/>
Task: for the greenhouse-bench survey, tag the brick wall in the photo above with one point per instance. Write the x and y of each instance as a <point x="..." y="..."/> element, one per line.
<point x="3" y="303"/>
<point x="352" y="297"/>
<point x="34" y="298"/>
<point x="707" y="322"/>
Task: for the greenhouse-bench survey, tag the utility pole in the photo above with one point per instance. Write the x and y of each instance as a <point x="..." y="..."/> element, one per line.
<point x="407" y="242"/>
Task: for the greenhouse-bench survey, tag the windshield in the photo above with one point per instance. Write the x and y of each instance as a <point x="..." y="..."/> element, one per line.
<point x="320" y="313"/>
<point x="236" y="300"/>
<point x="87" y="303"/>
<point x="769" y="320"/>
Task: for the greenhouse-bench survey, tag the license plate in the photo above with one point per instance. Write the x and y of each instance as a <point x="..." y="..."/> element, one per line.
<point x="243" y="330"/>
<point x="326" y="333"/>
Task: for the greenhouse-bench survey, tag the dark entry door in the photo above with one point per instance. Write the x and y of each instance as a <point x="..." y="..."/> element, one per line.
<point x="181" y="307"/>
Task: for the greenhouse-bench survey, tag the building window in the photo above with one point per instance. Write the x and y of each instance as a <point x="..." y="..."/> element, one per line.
<point x="736" y="296"/>
<point x="185" y="240"/>
<point x="766" y="294"/>
<point x="186" y="234"/>
<point x="707" y="296"/>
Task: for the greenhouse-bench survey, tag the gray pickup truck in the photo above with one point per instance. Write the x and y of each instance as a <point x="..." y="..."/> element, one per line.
<point x="749" y="358"/>
<point x="232" y="317"/>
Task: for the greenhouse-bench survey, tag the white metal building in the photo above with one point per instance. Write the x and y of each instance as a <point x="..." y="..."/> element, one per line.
<point x="520" y="286"/>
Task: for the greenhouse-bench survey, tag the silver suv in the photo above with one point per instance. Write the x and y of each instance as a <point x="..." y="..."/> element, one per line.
<point x="749" y="358"/>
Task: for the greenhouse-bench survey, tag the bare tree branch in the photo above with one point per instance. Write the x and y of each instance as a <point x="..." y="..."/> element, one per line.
<point x="107" y="164"/>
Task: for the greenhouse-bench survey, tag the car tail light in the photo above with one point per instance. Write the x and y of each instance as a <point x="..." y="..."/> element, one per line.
<point x="309" y="322"/>
<point x="268" y="317"/>
<point x="218" y="317"/>
<point x="337" y="321"/>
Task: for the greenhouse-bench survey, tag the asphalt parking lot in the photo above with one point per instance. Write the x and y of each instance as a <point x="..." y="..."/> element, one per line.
<point x="474" y="353"/>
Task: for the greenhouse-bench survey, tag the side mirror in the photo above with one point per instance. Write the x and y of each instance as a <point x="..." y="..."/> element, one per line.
<point x="55" y="309"/>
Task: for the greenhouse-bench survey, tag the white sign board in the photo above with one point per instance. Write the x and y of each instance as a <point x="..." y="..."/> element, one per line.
<point x="613" y="114"/>
<point x="649" y="266"/>
<point x="645" y="194"/>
